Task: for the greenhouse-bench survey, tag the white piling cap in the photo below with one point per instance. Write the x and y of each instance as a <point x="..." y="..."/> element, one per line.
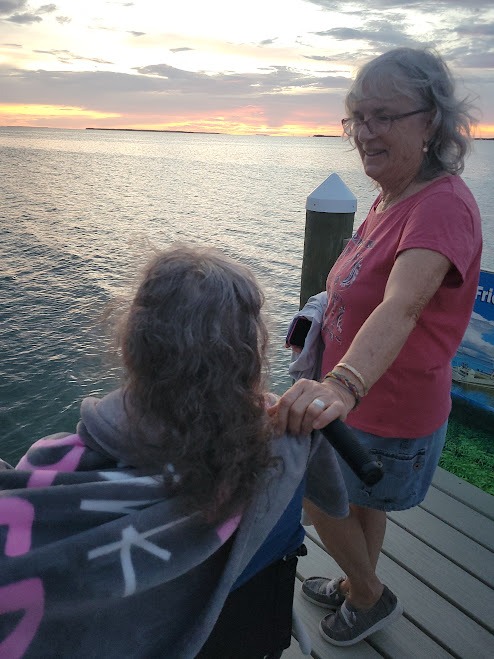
<point x="332" y="196"/>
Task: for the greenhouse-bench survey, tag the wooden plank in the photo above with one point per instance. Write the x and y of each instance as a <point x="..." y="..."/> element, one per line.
<point x="401" y="639"/>
<point x="310" y="615"/>
<point x="294" y="651"/>
<point x="449" y="580"/>
<point x="465" y="492"/>
<point x="460" y="517"/>
<point x="436" y="617"/>
<point x="463" y="551"/>
<point x="440" y="619"/>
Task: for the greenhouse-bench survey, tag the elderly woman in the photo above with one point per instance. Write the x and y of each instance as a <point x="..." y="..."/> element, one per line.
<point x="399" y="299"/>
<point x="125" y="538"/>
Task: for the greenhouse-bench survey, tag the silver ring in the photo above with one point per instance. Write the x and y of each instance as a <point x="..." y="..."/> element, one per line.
<point x="319" y="403"/>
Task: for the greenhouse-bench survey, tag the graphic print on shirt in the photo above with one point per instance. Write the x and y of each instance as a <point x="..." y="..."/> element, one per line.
<point x="349" y="266"/>
<point x="334" y="317"/>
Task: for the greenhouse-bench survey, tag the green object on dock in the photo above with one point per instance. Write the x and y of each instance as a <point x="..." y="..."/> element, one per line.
<point x="469" y="449"/>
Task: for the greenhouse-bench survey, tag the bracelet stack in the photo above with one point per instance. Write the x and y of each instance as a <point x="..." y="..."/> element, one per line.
<point x="347" y="384"/>
<point x="356" y="373"/>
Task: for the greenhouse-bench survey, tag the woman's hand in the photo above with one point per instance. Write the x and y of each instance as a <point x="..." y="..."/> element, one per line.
<point x="310" y="405"/>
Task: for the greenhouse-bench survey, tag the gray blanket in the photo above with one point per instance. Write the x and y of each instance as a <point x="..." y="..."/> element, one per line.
<point x="98" y="560"/>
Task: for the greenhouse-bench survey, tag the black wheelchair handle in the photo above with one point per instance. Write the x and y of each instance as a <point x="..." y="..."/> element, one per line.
<point x="348" y="446"/>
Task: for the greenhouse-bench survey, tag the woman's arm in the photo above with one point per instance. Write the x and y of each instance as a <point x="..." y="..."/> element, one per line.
<point x="416" y="276"/>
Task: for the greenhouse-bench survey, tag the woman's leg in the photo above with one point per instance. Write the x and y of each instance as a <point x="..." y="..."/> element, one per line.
<point x="373" y="523"/>
<point x="354" y="543"/>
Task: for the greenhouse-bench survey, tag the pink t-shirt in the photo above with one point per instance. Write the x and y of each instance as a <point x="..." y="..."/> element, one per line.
<point x="412" y="399"/>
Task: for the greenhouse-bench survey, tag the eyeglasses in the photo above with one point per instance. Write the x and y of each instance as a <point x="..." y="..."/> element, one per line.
<point x="380" y="124"/>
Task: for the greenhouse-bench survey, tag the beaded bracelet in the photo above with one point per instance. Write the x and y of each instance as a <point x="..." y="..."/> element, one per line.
<point x="349" y="386"/>
<point x="356" y="373"/>
<point x="341" y="385"/>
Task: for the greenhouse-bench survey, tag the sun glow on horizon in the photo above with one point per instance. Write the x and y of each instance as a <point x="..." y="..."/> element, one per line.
<point x="484" y="131"/>
<point x="52" y="116"/>
<point x="16" y="114"/>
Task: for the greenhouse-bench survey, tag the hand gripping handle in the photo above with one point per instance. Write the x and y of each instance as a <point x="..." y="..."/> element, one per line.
<point x="348" y="446"/>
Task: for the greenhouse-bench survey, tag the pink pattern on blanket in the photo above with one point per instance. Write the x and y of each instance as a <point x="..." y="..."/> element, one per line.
<point x="41" y="478"/>
<point x="227" y="528"/>
<point x="18" y="515"/>
<point x="69" y="462"/>
<point x="27" y="596"/>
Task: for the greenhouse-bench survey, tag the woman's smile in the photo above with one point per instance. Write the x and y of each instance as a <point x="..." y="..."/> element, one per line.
<point x="371" y="154"/>
<point x="396" y="155"/>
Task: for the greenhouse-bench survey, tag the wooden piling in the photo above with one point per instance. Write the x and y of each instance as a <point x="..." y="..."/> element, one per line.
<point x="330" y="213"/>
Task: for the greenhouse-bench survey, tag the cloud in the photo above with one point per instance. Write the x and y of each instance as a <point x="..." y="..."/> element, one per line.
<point x="268" y="42"/>
<point x="382" y="33"/>
<point x="163" y="91"/>
<point x="387" y="24"/>
<point x="66" y="56"/>
<point x="383" y="36"/>
<point x="13" y="10"/>
<point x="474" y="53"/>
<point x="46" y="9"/>
<point x="275" y="79"/>
<point x="136" y="34"/>
<point x="479" y="60"/>
<point x="320" y="58"/>
<point x="477" y="47"/>
<point x="180" y="50"/>
<point x="464" y="42"/>
<point x="24" y="19"/>
<point x="63" y="20"/>
<point x="11" y="6"/>
<point x="476" y="29"/>
<point x="423" y="6"/>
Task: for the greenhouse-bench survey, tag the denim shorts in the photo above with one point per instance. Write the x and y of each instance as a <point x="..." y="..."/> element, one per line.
<point x="408" y="464"/>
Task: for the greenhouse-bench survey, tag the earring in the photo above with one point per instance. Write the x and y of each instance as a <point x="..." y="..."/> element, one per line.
<point x="425" y="148"/>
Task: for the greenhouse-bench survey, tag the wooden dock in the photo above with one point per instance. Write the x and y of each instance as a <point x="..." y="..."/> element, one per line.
<point x="438" y="559"/>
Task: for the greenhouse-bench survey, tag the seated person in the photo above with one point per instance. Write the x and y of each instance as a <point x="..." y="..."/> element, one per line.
<point x="125" y="538"/>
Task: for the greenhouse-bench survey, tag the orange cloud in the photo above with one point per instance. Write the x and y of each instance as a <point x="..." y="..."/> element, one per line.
<point x="50" y="115"/>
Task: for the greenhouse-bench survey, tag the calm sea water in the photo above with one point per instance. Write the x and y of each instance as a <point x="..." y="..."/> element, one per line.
<point x="78" y="209"/>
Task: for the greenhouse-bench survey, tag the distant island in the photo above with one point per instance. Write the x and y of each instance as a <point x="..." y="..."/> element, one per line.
<point x="475" y="138"/>
<point x="189" y="132"/>
<point x="155" y="130"/>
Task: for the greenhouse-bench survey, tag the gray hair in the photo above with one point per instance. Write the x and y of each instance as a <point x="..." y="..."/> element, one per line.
<point x="422" y="75"/>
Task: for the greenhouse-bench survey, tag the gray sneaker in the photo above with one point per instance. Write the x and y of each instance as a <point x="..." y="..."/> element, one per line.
<point x="323" y="592"/>
<point x="348" y="625"/>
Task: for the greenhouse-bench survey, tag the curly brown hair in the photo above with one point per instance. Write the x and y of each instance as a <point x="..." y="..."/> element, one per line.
<point x="194" y="348"/>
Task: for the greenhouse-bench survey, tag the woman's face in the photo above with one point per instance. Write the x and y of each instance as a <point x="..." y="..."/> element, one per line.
<point x="391" y="154"/>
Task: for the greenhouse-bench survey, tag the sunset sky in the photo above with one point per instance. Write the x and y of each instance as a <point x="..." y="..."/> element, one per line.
<point x="279" y="67"/>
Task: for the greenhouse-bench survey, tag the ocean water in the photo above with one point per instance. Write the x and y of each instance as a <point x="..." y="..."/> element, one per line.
<point x="80" y="209"/>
